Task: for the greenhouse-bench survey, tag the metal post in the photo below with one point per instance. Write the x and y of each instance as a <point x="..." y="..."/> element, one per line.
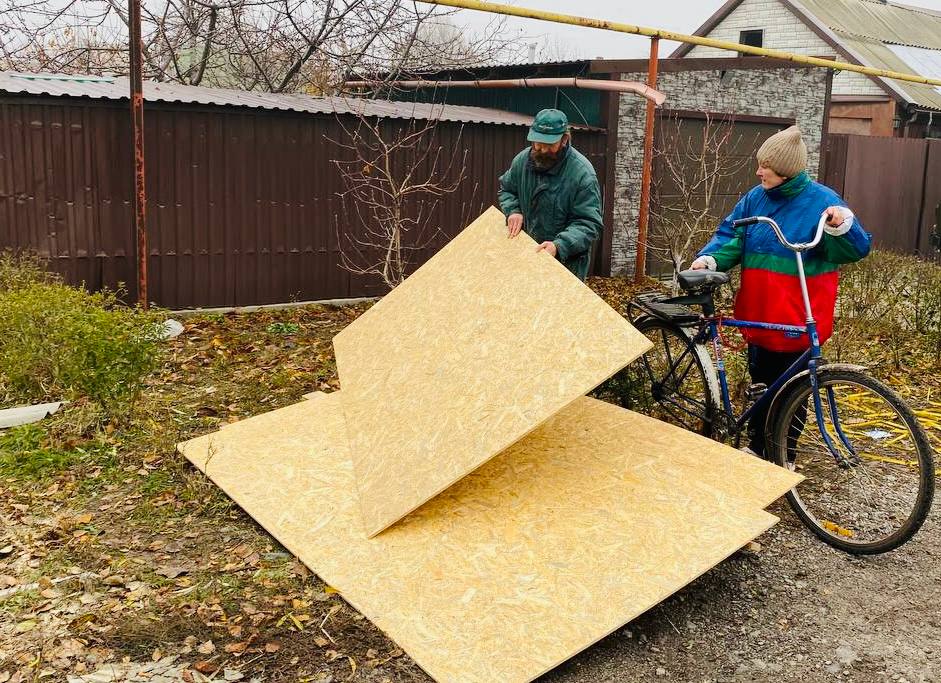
<point x="640" y="264"/>
<point x="137" y="132"/>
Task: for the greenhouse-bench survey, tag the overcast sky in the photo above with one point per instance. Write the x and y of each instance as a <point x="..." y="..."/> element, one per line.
<point x="683" y="16"/>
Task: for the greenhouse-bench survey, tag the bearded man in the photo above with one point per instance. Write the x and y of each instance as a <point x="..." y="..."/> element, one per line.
<point x="551" y="192"/>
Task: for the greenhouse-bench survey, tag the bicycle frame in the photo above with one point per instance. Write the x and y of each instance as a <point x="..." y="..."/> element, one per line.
<point x="811" y="358"/>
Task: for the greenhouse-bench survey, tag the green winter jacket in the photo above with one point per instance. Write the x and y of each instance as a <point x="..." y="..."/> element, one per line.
<point x="561" y="205"/>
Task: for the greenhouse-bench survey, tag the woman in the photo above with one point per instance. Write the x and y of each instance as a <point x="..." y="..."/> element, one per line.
<point x="770" y="290"/>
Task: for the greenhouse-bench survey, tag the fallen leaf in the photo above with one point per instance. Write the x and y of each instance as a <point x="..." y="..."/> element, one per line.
<point x="272" y="647"/>
<point x="321" y="642"/>
<point x="6" y="550"/>
<point x="26" y="625"/>
<point x="7" y="580"/>
<point x="206" y="667"/>
<point x="171" y="571"/>
<point x="236" y="648"/>
<point x="82" y="519"/>
<point x="206" y="648"/>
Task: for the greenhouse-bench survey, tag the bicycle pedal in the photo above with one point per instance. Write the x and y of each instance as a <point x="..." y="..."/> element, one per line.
<point x="754" y="391"/>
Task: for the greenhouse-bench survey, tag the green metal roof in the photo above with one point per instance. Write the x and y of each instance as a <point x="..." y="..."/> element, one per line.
<point x="868" y="29"/>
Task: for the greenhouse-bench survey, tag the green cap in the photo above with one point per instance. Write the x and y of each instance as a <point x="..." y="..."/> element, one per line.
<point x="549" y="126"/>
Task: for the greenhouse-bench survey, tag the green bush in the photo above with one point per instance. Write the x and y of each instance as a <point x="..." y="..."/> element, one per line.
<point x="19" y="270"/>
<point x="58" y="342"/>
<point x="890" y="297"/>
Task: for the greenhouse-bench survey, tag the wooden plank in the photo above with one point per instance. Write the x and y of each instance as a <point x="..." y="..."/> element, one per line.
<point x="478" y="347"/>
<point x="586" y="523"/>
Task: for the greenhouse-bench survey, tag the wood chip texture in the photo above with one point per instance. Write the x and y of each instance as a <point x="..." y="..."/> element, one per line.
<point x="477" y="348"/>
<point x="587" y="522"/>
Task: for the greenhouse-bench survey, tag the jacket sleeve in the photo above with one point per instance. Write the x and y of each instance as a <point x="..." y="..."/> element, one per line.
<point x="726" y="244"/>
<point x="585" y="220"/>
<point x="509" y="191"/>
<point x="846" y="244"/>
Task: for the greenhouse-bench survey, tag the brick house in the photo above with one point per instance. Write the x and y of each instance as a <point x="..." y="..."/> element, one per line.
<point x="873" y="33"/>
<point x="761" y="95"/>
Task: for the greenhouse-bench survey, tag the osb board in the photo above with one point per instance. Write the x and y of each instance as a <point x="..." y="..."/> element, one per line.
<point x="483" y="343"/>
<point x="560" y="540"/>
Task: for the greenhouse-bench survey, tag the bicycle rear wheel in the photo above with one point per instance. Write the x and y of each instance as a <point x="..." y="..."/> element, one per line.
<point x="673" y="382"/>
<point x="879" y="496"/>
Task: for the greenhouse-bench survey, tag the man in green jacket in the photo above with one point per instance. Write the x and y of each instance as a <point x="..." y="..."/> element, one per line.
<point x="551" y="191"/>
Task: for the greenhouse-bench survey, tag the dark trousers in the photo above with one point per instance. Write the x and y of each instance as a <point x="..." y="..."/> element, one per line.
<point x="765" y="367"/>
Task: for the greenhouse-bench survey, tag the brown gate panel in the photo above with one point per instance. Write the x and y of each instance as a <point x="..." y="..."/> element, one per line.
<point x="931" y="207"/>
<point x="681" y="127"/>
<point x="883" y="186"/>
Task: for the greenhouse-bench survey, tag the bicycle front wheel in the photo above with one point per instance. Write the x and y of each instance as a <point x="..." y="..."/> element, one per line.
<point x="674" y="381"/>
<point x="868" y="464"/>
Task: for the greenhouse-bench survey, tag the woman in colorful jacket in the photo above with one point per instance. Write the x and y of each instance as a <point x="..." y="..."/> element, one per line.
<point x="770" y="290"/>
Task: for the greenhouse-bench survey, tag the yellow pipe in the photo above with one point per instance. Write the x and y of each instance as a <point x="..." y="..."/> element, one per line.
<point x="496" y="8"/>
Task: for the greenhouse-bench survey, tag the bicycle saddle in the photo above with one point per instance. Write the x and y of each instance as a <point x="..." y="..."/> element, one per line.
<point x="699" y="279"/>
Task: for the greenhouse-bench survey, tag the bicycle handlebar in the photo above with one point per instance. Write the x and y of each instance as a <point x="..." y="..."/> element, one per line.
<point x="799" y="246"/>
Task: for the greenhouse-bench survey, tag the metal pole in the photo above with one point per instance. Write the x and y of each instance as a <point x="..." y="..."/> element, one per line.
<point x="640" y="264"/>
<point x="137" y="132"/>
<point x="572" y="20"/>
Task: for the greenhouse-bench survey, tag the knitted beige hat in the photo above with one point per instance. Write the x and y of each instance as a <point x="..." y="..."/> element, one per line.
<point x="784" y="153"/>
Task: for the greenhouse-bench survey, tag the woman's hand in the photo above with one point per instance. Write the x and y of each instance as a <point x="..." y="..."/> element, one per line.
<point x="835" y="216"/>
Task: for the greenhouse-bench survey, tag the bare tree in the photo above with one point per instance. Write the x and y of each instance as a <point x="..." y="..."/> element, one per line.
<point x="396" y="175"/>
<point x="269" y="45"/>
<point x="695" y="171"/>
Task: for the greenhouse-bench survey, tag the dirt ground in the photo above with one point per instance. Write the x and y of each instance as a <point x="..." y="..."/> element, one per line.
<point x="116" y="557"/>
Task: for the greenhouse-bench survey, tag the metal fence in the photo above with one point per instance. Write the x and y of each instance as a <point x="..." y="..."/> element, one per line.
<point x="242" y="204"/>
<point x="892" y="184"/>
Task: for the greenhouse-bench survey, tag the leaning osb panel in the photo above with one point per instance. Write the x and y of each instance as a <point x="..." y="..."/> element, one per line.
<point x="478" y="347"/>
<point x="569" y="534"/>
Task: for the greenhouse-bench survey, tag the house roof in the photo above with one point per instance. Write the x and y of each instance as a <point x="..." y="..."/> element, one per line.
<point x="869" y="32"/>
<point x="117" y="88"/>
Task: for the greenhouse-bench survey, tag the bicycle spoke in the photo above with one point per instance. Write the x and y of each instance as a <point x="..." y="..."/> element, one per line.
<point x="669" y="383"/>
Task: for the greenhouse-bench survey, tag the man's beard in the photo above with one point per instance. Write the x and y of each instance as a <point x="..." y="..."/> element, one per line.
<point x="543" y="161"/>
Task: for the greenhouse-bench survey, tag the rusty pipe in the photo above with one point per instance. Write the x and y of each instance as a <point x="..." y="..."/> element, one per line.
<point x="640" y="262"/>
<point x="137" y="133"/>
<point x="655" y="96"/>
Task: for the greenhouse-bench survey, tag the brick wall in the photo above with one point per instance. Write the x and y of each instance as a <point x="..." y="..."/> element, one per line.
<point x="798" y="94"/>
<point x="783" y="30"/>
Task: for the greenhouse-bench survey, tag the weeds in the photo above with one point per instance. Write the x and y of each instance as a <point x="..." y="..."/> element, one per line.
<point x="57" y="342"/>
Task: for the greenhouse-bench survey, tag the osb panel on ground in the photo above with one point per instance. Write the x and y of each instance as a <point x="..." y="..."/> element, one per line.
<point x="482" y="344"/>
<point x="590" y="520"/>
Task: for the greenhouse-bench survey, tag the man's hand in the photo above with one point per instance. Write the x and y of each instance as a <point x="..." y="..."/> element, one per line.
<point x="514" y="224"/>
<point x="698" y="264"/>
<point x="835" y="216"/>
<point x="549" y="247"/>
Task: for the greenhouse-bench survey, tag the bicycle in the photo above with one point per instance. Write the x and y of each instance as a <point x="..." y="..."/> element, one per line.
<point x="868" y="466"/>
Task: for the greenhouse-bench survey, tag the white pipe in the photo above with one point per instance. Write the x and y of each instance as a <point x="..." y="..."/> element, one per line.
<point x="635" y="87"/>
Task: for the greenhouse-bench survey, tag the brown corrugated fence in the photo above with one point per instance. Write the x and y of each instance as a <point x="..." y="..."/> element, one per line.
<point x="892" y="184"/>
<point x="242" y="204"/>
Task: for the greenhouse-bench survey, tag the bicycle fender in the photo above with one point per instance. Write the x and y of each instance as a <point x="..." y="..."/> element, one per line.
<point x="791" y="383"/>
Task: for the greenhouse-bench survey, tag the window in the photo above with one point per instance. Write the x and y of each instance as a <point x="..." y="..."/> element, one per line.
<point x="754" y="38"/>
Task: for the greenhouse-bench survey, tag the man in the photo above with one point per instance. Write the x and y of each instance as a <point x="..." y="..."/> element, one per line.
<point x="551" y="192"/>
<point x="770" y="290"/>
